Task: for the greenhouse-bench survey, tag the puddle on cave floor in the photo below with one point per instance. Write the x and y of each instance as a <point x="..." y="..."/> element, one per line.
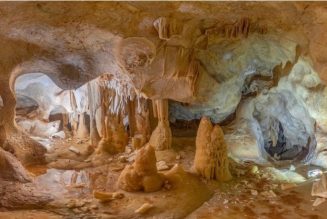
<point x="37" y="170"/>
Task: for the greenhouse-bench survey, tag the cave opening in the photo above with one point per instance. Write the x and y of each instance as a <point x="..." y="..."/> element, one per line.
<point x="41" y="108"/>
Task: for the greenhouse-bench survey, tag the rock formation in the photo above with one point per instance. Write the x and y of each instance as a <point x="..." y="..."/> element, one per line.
<point x="143" y="174"/>
<point x="161" y="137"/>
<point x="115" y="138"/>
<point x="211" y="159"/>
<point x="139" y="121"/>
<point x="11" y="169"/>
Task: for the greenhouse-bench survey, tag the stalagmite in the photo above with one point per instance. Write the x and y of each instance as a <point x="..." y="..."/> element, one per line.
<point x="82" y="131"/>
<point x="143" y="174"/>
<point x="113" y="101"/>
<point x="211" y="159"/>
<point x="115" y="138"/>
<point x="131" y="116"/>
<point x="142" y="118"/>
<point x="139" y="122"/>
<point x="161" y="137"/>
<point x="99" y="118"/>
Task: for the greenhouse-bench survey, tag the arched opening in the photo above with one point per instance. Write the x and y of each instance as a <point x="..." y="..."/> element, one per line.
<point x="285" y="127"/>
<point x="41" y="107"/>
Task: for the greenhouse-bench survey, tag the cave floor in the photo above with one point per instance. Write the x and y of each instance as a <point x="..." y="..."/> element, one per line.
<point x="72" y="177"/>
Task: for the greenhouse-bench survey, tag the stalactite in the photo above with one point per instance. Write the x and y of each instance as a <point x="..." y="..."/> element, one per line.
<point x="142" y="116"/>
<point x="94" y="102"/>
<point x="115" y="138"/>
<point x="139" y="122"/>
<point x="131" y="117"/>
<point x="161" y="137"/>
<point x="99" y="121"/>
<point x="113" y="109"/>
<point x="65" y="121"/>
<point x="72" y="116"/>
<point x="167" y="27"/>
<point x="211" y="159"/>
<point x="73" y="120"/>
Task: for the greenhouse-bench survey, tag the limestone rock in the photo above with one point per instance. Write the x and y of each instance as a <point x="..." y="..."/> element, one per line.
<point x="161" y="137"/>
<point x="211" y="159"/>
<point x="106" y="196"/>
<point x="11" y="169"/>
<point x="142" y="175"/>
<point x="319" y="188"/>
<point x="115" y="138"/>
<point x="161" y="165"/>
<point x="16" y="195"/>
<point x="318" y="201"/>
<point x="82" y="131"/>
<point x="74" y="150"/>
<point x="144" y="208"/>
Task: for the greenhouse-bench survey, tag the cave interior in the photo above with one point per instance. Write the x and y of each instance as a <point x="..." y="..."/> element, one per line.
<point x="163" y="110"/>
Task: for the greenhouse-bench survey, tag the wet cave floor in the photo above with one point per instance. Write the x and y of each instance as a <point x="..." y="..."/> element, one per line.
<point x="71" y="178"/>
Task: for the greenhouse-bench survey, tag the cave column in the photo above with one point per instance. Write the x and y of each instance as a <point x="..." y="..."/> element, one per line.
<point x="115" y="138"/>
<point x="161" y="137"/>
<point x="140" y="120"/>
<point x="131" y="116"/>
<point x="93" y="96"/>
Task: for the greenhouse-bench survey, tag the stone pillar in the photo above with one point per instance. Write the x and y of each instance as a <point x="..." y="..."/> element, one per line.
<point x="161" y="137"/>
<point x="93" y="95"/>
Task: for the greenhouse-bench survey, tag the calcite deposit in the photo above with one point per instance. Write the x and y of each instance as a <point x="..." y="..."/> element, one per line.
<point x="143" y="174"/>
<point x="163" y="109"/>
<point x="211" y="160"/>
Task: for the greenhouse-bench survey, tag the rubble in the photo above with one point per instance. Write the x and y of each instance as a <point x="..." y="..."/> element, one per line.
<point x="161" y="165"/>
<point x="60" y="135"/>
<point x="254" y="192"/>
<point x="268" y="194"/>
<point x="144" y="208"/>
<point x="319" y="188"/>
<point x="318" y="202"/>
<point x="74" y="150"/>
<point x="105" y="196"/>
